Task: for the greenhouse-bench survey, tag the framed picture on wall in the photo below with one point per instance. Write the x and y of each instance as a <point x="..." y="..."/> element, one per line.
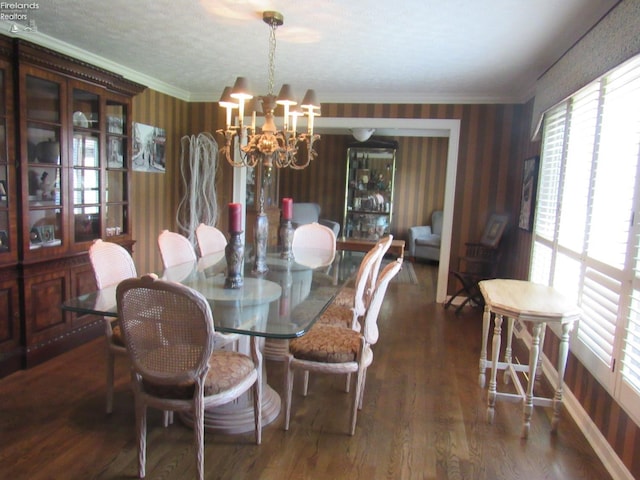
<point x="527" y="200"/>
<point x="148" y="148"/>
<point x="495" y="228"/>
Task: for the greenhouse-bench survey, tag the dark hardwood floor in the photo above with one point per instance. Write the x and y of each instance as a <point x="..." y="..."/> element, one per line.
<point x="423" y="417"/>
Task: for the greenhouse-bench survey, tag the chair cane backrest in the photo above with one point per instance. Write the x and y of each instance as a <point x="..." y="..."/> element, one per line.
<point x="175" y="249"/>
<point x="168" y="330"/>
<point x="370" y="330"/>
<point x="210" y="239"/>
<point x="111" y="263"/>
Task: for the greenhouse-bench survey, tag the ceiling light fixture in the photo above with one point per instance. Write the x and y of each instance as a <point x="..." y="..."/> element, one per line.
<point x="362" y="134"/>
<point x="270" y="146"/>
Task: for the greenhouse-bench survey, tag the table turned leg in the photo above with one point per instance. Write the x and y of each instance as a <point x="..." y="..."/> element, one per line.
<point x="533" y="364"/>
<point x="486" y="317"/>
<point x="562" y="364"/>
<point x="508" y="350"/>
<point x="543" y="332"/>
<point x="495" y="352"/>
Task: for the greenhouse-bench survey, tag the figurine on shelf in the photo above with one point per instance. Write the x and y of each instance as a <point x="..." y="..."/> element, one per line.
<point x="46" y="186"/>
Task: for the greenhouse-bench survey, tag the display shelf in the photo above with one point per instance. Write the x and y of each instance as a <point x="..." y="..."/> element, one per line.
<point x="369" y="192"/>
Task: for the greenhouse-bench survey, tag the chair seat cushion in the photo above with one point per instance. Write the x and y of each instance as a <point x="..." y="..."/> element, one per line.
<point x="327" y="344"/>
<point x="227" y="368"/>
<point x="431" y="241"/>
<point x="345" y="297"/>
<point x="336" y="315"/>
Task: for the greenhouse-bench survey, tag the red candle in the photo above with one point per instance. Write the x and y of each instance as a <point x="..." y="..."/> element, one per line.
<point x="287" y="208"/>
<point x="235" y="217"/>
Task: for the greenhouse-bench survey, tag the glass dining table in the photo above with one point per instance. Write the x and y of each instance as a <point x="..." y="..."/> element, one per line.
<point x="280" y="304"/>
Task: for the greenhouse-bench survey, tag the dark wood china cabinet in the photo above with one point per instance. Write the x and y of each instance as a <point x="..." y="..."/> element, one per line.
<point x="10" y="340"/>
<point x="67" y="184"/>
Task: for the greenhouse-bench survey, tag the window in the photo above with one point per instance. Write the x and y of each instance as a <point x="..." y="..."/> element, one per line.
<point x="587" y="226"/>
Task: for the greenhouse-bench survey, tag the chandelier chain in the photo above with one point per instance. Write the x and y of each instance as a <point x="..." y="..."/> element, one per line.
<point x="272" y="56"/>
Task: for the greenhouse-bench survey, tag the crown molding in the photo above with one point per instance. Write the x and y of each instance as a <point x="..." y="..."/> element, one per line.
<point x="80" y="54"/>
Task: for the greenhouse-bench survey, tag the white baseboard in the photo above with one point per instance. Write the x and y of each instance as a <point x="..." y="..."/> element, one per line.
<point x="598" y="442"/>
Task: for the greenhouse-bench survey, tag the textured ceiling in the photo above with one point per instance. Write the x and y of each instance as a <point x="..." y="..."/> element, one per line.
<point x="370" y="51"/>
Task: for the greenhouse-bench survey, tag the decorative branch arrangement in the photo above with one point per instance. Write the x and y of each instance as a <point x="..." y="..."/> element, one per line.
<point x="198" y="167"/>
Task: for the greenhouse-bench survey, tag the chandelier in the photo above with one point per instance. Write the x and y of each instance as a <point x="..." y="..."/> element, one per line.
<point x="270" y="146"/>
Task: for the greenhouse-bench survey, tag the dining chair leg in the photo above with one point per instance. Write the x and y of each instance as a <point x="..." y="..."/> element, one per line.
<point x="356" y="401"/>
<point x="347" y="383"/>
<point x="141" y="433"/>
<point x="198" y="433"/>
<point x="288" y="371"/>
<point x="364" y="381"/>
<point x="167" y="418"/>
<point x="257" y="409"/>
<point x="110" y="367"/>
<point x="305" y="383"/>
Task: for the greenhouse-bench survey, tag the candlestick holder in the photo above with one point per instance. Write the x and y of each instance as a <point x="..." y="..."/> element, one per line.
<point x="261" y="235"/>
<point x="234" y="253"/>
<point x="286" y="238"/>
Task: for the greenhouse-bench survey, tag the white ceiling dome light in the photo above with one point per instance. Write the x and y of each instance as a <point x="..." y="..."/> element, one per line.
<point x="362" y="134"/>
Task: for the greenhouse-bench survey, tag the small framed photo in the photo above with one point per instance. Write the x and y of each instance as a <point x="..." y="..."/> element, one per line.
<point x="527" y="200"/>
<point x="47" y="233"/>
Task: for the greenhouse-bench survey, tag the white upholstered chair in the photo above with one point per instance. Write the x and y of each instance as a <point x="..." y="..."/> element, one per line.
<point x="316" y="237"/>
<point x="329" y="349"/>
<point x="168" y="331"/>
<point x="175" y="249"/>
<point x="210" y="239"/>
<point x="111" y="264"/>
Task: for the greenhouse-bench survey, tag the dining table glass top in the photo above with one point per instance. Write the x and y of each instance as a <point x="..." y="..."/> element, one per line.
<point x="283" y="303"/>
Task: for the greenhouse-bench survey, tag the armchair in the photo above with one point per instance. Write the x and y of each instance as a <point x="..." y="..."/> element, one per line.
<point x="424" y="241"/>
<point x="304" y="213"/>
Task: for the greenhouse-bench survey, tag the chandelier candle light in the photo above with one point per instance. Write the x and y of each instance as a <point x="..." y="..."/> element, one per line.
<point x="234" y="251"/>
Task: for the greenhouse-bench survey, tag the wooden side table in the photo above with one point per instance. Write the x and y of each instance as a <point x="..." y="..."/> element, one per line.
<point x="538" y="305"/>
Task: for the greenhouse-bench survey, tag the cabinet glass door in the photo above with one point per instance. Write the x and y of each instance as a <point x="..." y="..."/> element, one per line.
<point x="86" y="166"/>
<point x="116" y="190"/>
<point x="44" y="180"/>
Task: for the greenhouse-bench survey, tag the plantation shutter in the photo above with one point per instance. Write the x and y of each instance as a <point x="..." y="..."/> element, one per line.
<point x="586" y="236"/>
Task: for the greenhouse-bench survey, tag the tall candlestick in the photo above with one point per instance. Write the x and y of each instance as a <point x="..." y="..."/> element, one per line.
<point x="235" y="217"/>
<point x="287" y="208"/>
<point x="234" y="255"/>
